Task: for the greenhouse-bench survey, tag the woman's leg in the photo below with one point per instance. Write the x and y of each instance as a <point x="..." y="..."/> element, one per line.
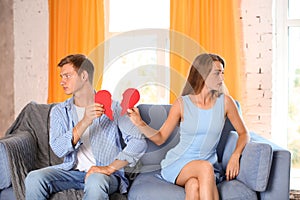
<point x="191" y="188"/>
<point x="203" y="171"/>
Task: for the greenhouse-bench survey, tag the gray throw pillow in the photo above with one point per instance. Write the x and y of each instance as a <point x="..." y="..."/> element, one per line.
<point x="255" y="166"/>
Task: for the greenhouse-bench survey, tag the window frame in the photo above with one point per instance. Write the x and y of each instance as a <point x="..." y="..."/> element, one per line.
<point x="280" y="79"/>
<point x="280" y="73"/>
<point x="162" y="56"/>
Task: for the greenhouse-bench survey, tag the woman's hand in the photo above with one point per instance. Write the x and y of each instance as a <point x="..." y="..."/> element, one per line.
<point x="233" y="167"/>
<point x="135" y="117"/>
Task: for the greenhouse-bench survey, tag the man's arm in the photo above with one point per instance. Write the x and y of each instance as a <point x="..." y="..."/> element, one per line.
<point x="136" y="144"/>
<point x="134" y="150"/>
<point x="91" y="112"/>
<point x="61" y="135"/>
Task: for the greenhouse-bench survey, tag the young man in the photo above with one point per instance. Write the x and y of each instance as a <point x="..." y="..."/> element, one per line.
<point x="87" y="139"/>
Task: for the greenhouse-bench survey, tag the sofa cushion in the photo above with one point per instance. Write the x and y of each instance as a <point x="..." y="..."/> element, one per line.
<point x="148" y="186"/>
<point x="5" y="180"/>
<point x="78" y="194"/>
<point x="255" y="165"/>
<point x="229" y="148"/>
<point x="235" y="190"/>
<point x="7" y="194"/>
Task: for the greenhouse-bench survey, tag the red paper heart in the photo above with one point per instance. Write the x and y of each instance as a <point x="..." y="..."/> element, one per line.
<point x="104" y="97"/>
<point x="130" y="97"/>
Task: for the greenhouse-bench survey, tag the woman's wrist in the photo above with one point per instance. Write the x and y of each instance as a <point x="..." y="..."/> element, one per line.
<point x="141" y="124"/>
<point x="236" y="154"/>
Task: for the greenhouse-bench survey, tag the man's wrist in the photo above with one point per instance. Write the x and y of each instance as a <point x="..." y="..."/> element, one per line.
<point x="76" y="132"/>
<point x="86" y="122"/>
<point x="112" y="168"/>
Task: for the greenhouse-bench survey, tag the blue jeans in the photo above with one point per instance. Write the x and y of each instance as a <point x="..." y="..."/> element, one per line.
<point x="41" y="183"/>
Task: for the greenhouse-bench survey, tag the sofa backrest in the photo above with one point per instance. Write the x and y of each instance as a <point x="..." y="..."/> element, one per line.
<point x="155" y="116"/>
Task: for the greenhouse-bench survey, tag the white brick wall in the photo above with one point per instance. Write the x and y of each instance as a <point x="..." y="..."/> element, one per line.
<point x="256" y="16"/>
<point x="31" y="52"/>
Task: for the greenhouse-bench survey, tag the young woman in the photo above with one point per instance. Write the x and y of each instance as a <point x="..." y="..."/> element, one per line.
<point x="201" y="112"/>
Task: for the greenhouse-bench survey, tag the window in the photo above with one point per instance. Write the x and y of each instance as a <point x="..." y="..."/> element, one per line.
<point x="136" y="53"/>
<point x="286" y="82"/>
<point x="128" y="15"/>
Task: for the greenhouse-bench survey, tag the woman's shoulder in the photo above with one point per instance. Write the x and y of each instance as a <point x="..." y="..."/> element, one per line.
<point x="180" y="100"/>
<point x="177" y="101"/>
<point x="228" y="98"/>
<point x="229" y="102"/>
<point x="178" y="104"/>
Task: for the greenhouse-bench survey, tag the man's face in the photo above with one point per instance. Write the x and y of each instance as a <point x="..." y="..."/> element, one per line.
<point x="70" y="80"/>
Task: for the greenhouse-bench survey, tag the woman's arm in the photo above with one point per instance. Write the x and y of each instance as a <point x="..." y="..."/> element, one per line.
<point x="161" y="135"/>
<point x="233" y="115"/>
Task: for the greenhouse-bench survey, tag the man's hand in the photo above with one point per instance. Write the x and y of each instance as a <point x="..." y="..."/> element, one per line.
<point x="92" y="112"/>
<point x="233" y="167"/>
<point x="100" y="169"/>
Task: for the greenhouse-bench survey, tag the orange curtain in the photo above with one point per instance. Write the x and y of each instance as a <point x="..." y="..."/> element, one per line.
<point x="76" y="26"/>
<point x="211" y="26"/>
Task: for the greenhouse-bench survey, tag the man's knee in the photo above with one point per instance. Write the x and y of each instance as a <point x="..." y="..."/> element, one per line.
<point x="36" y="185"/>
<point x="33" y="179"/>
<point x="97" y="181"/>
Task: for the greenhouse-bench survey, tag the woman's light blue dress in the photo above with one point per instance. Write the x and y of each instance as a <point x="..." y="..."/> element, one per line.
<point x="200" y="132"/>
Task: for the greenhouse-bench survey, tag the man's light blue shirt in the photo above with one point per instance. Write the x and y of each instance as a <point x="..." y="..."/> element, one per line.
<point x="104" y="138"/>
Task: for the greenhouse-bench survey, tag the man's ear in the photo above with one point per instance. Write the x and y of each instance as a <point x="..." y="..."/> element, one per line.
<point x="84" y="75"/>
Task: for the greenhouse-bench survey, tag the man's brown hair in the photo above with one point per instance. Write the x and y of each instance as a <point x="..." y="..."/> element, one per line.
<point x="80" y="63"/>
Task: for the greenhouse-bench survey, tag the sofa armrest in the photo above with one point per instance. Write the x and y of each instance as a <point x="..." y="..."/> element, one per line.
<point x="21" y="151"/>
<point x="279" y="181"/>
<point x="5" y="180"/>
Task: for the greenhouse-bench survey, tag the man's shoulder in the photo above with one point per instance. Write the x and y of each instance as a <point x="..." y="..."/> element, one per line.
<point x="62" y="105"/>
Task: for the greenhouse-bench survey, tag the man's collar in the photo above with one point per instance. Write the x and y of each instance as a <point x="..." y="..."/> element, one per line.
<point x="70" y="103"/>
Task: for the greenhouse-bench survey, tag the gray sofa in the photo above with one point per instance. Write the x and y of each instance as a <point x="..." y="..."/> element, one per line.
<point x="264" y="172"/>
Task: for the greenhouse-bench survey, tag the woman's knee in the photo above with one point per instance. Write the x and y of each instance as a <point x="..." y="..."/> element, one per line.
<point x="202" y="164"/>
<point x="202" y="167"/>
<point x="207" y="166"/>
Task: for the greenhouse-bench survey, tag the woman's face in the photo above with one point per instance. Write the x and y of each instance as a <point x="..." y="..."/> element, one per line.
<point x="214" y="80"/>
